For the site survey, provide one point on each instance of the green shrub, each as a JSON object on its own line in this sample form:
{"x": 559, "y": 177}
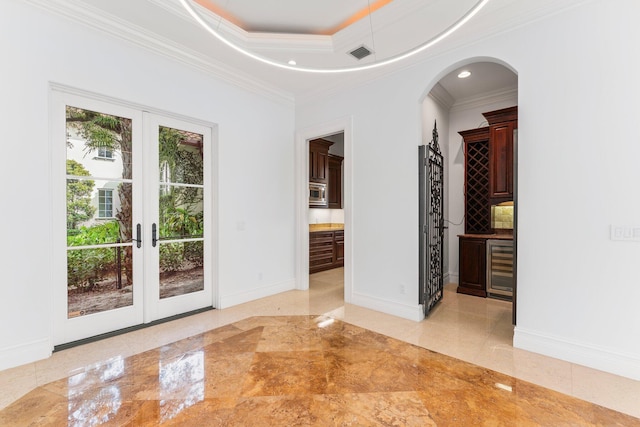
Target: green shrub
{"x": 86, "y": 267}
{"x": 194, "y": 253}
{"x": 171, "y": 256}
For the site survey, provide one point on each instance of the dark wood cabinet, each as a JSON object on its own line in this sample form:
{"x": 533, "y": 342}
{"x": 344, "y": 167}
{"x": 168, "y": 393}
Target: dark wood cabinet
{"x": 334, "y": 184}
{"x": 319, "y": 160}
{"x": 473, "y": 266}
{"x": 488, "y": 180}
{"x": 338, "y": 256}
{"x": 502, "y": 124}
{"x": 325, "y": 168}
{"x": 321, "y": 250}
{"x": 477, "y": 207}
{"x": 326, "y": 250}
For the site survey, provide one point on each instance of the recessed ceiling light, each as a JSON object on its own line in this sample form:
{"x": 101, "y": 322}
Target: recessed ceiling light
{"x": 464, "y": 74}
{"x": 292, "y": 62}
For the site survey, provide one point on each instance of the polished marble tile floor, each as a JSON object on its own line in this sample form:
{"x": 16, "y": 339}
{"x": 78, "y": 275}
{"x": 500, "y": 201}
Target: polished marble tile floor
{"x": 297, "y": 371}
{"x": 234, "y": 368}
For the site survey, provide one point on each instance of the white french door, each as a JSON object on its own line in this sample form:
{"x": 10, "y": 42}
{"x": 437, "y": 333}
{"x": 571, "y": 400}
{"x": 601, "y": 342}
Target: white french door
{"x": 134, "y": 190}
{"x": 178, "y": 207}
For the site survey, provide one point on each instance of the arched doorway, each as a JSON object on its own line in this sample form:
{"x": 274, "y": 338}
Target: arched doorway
{"x": 457, "y": 102}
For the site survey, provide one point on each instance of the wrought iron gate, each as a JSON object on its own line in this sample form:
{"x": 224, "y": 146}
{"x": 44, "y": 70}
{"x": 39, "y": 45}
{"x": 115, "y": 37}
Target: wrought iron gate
{"x": 431, "y": 174}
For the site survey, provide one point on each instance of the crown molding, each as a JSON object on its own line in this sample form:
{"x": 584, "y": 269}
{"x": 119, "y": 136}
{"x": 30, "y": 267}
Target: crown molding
{"x": 440, "y": 95}
{"x": 252, "y": 40}
{"x": 485, "y": 98}
{"x": 94, "y": 18}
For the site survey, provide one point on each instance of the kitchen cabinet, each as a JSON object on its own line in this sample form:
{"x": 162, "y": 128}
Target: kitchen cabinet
{"x": 477, "y": 206}
{"x": 488, "y": 180}
{"x": 334, "y": 182}
{"x": 488, "y": 168}
{"x": 338, "y": 245}
{"x": 319, "y": 160}
{"x": 326, "y": 250}
{"x": 473, "y": 266}
{"x": 326, "y": 169}
{"x": 502, "y": 124}
{"x": 321, "y": 251}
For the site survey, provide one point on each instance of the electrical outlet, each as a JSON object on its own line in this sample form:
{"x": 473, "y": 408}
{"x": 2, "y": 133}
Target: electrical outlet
{"x": 402, "y": 289}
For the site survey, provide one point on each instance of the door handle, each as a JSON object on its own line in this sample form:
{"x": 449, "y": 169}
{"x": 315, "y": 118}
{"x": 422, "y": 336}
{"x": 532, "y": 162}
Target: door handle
{"x": 154, "y": 231}
{"x": 138, "y": 240}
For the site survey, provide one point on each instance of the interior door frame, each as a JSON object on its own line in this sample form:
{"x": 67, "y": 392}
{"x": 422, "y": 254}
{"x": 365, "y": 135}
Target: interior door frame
{"x": 59, "y": 93}
{"x": 301, "y": 151}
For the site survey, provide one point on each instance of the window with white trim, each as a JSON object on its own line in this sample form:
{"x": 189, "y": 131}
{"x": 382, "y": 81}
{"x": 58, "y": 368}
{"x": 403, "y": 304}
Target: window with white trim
{"x": 105, "y": 203}
{"x": 105, "y": 153}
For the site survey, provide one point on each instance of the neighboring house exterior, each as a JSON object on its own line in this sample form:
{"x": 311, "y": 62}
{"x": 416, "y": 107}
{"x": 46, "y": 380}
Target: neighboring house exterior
{"x": 101, "y": 163}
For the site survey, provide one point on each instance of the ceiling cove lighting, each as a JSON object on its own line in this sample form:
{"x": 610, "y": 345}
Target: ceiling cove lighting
{"x": 187, "y": 4}
{"x": 464, "y": 74}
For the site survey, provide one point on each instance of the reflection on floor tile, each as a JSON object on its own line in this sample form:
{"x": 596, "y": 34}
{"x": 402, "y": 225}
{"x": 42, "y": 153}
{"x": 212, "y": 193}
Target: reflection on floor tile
{"x": 257, "y": 352}
{"x": 333, "y": 373}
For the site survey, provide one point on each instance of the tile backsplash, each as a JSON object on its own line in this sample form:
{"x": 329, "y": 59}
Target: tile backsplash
{"x": 322, "y": 216}
{"x": 502, "y": 217}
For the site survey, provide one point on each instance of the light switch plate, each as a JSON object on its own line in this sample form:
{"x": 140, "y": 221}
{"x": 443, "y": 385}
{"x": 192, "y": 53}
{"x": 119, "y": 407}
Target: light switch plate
{"x": 625, "y": 232}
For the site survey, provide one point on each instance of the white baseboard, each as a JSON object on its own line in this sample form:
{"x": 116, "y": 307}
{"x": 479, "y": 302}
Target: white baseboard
{"x": 451, "y": 278}
{"x": 625, "y": 365}
{"x": 10, "y": 357}
{"x": 227, "y": 301}
{"x": 411, "y": 312}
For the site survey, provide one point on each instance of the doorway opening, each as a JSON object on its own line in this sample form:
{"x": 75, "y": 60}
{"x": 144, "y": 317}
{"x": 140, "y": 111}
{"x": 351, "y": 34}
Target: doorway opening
{"x": 459, "y": 103}
{"x": 326, "y": 223}
{"x": 339, "y": 134}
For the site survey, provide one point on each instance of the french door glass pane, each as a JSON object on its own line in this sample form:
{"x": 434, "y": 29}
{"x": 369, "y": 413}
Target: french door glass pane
{"x": 181, "y": 212}
{"x": 181, "y": 268}
{"x": 180, "y": 154}
{"x": 99, "y": 212}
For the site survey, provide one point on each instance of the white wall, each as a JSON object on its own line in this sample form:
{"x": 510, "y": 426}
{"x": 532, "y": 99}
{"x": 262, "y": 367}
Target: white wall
{"x": 255, "y": 177}
{"x": 578, "y": 292}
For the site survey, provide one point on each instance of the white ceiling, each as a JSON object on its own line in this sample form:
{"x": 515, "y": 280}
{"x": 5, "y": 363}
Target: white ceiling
{"x": 487, "y": 78}
{"x": 165, "y": 27}
{"x": 291, "y": 16}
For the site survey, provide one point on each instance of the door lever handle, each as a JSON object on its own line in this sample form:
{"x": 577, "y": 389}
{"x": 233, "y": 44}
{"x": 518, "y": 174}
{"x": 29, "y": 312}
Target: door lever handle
{"x": 138, "y": 240}
{"x": 154, "y": 232}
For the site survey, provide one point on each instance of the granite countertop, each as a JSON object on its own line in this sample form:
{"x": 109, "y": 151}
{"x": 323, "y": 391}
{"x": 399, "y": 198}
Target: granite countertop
{"x": 500, "y": 236}
{"x": 325, "y": 227}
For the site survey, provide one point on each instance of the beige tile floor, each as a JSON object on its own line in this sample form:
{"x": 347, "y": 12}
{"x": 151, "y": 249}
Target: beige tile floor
{"x": 476, "y": 330}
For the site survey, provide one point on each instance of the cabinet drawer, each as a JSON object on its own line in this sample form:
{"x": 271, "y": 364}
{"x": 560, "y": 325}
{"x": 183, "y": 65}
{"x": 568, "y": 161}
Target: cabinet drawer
{"x": 320, "y": 236}
{"x": 326, "y": 250}
{"x": 320, "y": 262}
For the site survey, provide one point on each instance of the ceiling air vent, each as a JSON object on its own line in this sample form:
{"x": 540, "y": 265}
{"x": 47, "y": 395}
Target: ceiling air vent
{"x": 360, "y": 52}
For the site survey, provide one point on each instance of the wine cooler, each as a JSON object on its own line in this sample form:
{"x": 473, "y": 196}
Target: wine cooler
{"x": 500, "y": 268}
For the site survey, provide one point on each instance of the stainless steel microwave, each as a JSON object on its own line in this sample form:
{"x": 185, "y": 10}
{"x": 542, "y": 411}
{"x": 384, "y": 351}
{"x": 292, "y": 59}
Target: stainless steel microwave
{"x": 318, "y": 195}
